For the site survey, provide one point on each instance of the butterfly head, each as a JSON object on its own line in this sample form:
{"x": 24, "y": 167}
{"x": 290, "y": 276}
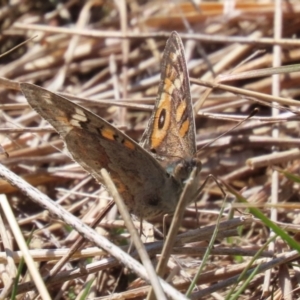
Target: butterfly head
{"x": 182, "y": 169}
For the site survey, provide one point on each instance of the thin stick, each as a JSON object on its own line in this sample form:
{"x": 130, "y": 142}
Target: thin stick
{"x": 134, "y": 235}
{"x": 189, "y": 36}
{"x": 176, "y": 223}
{"x": 35, "y": 274}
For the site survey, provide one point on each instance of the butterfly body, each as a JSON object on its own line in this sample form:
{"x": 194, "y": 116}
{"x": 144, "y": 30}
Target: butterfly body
{"x": 150, "y": 176}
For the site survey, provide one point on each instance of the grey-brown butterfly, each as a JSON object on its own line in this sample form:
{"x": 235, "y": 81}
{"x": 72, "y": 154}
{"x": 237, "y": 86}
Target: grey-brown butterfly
{"x": 149, "y": 176}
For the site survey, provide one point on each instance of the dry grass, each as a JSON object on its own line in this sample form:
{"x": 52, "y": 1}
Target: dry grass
{"x": 105, "y": 55}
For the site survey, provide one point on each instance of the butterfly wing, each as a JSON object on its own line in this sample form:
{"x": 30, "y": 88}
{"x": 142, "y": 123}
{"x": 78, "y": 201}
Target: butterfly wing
{"x": 94, "y": 143}
{"x": 171, "y": 131}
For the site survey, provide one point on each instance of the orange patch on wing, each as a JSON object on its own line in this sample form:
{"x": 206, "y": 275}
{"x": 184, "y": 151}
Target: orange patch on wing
{"x": 129, "y": 144}
{"x": 121, "y": 187}
{"x": 168, "y": 84}
{"x": 170, "y": 74}
{"x": 108, "y": 133}
{"x": 63, "y": 119}
{"x": 158, "y": 134}
{"x": 180, "y": 110}
{"x": 184, "y": 128}
{"x": 164, "y": 103}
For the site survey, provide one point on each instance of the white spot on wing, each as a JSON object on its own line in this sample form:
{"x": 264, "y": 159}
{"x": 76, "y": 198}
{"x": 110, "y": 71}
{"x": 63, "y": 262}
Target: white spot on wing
{"x": 177, "y": 83}
{"x": 75, "y": 122}
{"x": 176, "y": 55}
{"x": 181, "y": 77}
{"x": 47, "y": 99}
{"x": 79, "y": 111}
{"x": 79, "y": 115}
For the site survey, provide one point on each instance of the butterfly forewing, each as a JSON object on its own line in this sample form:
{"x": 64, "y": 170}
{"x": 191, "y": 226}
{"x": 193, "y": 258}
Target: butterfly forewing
{"x": 146, "y": 187}
{"x": 171, "y": 131}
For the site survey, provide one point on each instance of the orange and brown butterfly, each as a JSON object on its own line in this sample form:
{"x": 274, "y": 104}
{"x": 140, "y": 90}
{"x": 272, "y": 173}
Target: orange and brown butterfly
{"x": 149, "y": 176}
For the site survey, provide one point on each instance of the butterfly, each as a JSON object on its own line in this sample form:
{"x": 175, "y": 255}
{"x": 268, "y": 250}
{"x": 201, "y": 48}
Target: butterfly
{"x": 150, "y": 176}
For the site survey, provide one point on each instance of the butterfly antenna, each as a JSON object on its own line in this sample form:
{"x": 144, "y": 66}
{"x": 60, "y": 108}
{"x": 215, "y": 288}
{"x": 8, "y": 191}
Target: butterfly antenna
{"x": 254, "y": 112}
